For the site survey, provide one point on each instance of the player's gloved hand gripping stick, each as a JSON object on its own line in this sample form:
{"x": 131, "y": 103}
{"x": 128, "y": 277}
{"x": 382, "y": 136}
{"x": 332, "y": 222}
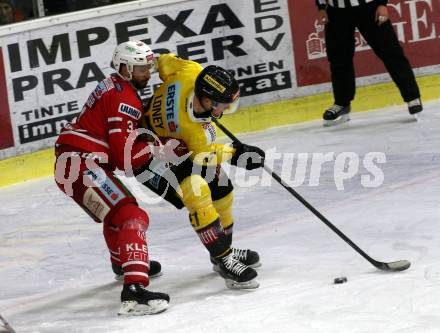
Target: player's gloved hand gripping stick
{"x": 394, "y": 266}
{"x": 248, "y": 157}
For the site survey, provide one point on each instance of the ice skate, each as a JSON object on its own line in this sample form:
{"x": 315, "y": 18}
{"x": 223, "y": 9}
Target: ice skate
{"x": 415, "y": 107}
{"x": 336, "y": 114}
{"x": 138, "y": 301}
{"x": 236, "y": 274}
{"x": 247, "y": 257}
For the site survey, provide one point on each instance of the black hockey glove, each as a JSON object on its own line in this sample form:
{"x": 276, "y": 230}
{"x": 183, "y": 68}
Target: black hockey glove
{"x": 248, "y": 157}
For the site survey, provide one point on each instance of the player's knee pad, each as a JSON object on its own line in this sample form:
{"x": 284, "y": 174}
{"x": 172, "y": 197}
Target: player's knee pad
{"x": 223, "y": 207}
{"x": 196, "y": 196}
{"x": 131, "y": 217}
{"x": 195, "y": 192}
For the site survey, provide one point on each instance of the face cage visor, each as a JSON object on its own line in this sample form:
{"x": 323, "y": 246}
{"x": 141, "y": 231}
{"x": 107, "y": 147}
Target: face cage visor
{"x": 227, "y": 108}
{"x": 150, "y": 66}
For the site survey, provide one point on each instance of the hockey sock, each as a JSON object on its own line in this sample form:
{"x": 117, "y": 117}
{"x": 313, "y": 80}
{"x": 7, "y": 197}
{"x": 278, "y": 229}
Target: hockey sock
{"x": 228, "y": 235}
{"x": 111, "y": 234}
{"x": 214, "y": 239}
{"x": 133, "y": 224}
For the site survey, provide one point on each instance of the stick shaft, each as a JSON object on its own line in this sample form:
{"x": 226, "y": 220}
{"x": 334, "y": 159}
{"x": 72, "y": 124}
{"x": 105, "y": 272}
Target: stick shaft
{"x": 306, "y": 203}
{"x": 6, "y": 325}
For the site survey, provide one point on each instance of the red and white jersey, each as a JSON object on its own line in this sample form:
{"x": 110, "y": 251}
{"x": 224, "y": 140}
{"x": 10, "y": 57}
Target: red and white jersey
{"x": 109, "y": 115}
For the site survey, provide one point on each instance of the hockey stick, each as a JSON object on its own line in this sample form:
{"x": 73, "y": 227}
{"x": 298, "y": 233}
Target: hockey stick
{"x": 6, "y": 325}
{"x": 394, "y": 266}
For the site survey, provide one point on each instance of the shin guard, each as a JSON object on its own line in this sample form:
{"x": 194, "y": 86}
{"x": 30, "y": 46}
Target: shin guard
{"x": 224, "y": 208}
{"x": 133, "y": 223}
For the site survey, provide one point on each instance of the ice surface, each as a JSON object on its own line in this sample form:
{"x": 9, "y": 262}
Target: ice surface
{"x": 55, "y": 273}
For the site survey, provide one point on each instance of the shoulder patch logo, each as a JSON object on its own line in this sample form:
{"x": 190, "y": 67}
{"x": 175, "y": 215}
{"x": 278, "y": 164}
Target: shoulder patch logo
{"x": 210, "y": 132}
{"x": 109, "y": 83}
{"x": 118, "y": 86}
{"x": 129, "y": 111}
{"x": 100, "y": 90}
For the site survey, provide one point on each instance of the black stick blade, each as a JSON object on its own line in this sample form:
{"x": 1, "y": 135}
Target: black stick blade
{"x": 395, "y": 266}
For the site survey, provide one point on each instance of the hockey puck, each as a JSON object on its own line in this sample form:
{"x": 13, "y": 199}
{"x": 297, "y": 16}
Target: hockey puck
{"x": 340, "y": 280}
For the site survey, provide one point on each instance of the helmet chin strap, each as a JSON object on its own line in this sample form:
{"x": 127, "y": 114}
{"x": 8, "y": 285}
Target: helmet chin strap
{"x": 207, "y": 113}
{"x": 130, "y": 73}
{"x": 212, "y": 116}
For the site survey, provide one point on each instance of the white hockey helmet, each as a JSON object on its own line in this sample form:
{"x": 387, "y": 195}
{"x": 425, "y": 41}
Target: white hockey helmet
{"x": 132, "y": 53}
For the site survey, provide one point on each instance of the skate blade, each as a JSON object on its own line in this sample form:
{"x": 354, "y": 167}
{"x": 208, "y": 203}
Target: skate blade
{"x": 156, "y": 275}
{"x": 216, "y": 268}
{"x": 416, "y": 116}
{"x": 133, "y": 308}
{"x": 342, "y": 119}
{"x": 252, "y": 284}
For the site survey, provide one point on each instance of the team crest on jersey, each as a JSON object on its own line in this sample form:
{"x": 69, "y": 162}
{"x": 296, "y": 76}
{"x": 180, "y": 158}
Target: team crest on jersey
{"x": 129, "y": 111}
{"x": 172, "y": 107}
{"x": 210, "y": 132}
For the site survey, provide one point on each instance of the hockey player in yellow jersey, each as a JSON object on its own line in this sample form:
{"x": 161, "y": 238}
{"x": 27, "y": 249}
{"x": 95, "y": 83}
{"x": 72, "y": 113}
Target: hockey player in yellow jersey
{"x": 181, "y": 108}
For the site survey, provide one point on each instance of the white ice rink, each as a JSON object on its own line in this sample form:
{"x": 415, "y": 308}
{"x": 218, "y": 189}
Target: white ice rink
{"x": 56, "y": 277}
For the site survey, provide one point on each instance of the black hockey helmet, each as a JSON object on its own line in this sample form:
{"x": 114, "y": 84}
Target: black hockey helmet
{"x": 217, "y": 84}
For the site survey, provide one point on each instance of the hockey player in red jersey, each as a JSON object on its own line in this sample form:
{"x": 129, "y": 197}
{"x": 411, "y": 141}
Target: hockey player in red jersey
{"x": 89, "y": 150}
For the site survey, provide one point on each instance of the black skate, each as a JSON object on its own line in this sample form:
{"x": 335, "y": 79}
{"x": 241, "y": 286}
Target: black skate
{"x": 138, "y": 301}
{"x": 414, "y": 107}
{"x": 155, "y": 270}
{"x": 236, "y": 274}
{"x": 247, "y": 257}
{"x": 336, "y": 114}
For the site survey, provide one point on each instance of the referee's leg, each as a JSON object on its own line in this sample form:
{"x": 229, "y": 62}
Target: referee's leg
{"x": 340, "y": 44}
{"x": 384, "y": 42}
